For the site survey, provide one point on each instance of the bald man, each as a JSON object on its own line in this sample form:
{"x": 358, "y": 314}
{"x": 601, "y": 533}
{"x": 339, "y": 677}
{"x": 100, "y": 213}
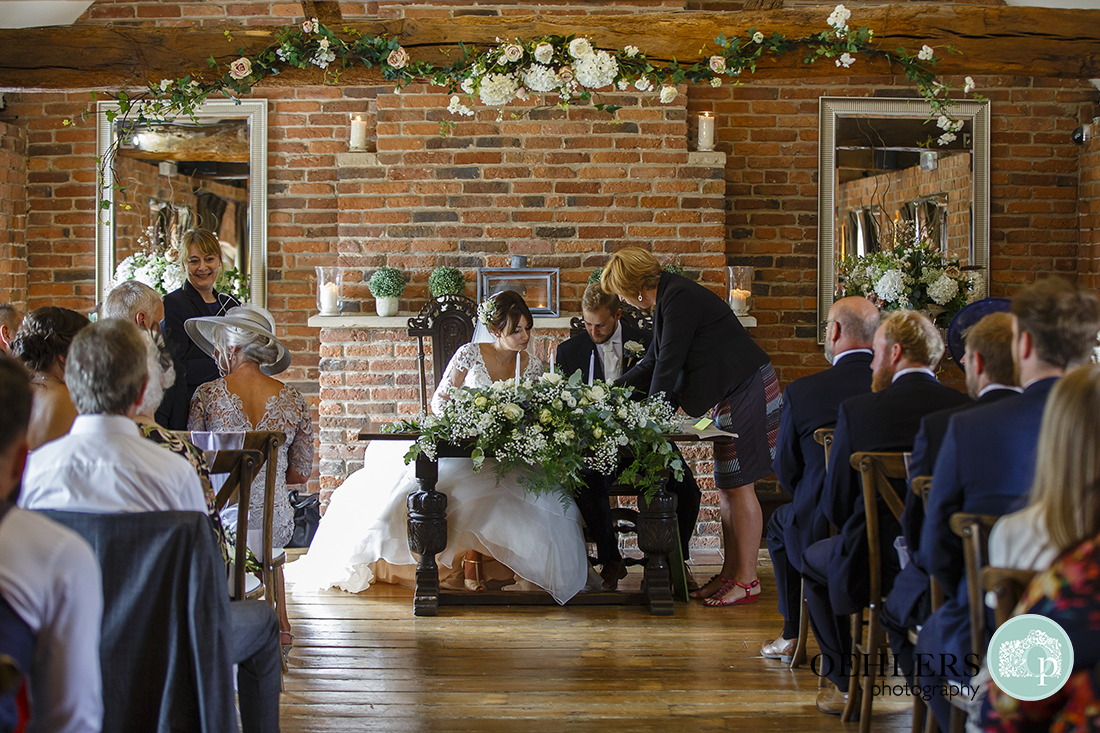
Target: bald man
{"x": 811, "y": 403}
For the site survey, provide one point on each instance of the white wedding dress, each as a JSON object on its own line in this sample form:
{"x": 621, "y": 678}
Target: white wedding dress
{"x": 363, "y": 536}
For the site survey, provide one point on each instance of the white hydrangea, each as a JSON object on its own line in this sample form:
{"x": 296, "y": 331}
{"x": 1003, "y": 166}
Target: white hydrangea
{"x": 596, "y": 70}
{"x": 539, "y": 78}
{"x": 148, "y": 274}
{"x": 498, "y": 89}
{"x": 579, "y": 48}
{"x": 943, "y": 290}
{"x": 172, "y": 279}
{"x": 890, "y": 286}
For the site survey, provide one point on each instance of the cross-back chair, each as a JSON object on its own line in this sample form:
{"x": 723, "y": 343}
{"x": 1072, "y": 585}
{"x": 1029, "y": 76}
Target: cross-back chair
{"x": 449, "y": 322}
{"x": 241, "y": 467}
{"x": 876, "y": 471}
{"x": 824, "y": 438}
{"x": 1007, "y": 586}
{"x": 922, "y": 721}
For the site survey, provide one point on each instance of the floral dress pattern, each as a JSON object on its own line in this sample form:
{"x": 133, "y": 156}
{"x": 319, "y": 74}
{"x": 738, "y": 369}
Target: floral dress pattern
{"x": 1068, "y": 593}
{"x": 215, "y": 409}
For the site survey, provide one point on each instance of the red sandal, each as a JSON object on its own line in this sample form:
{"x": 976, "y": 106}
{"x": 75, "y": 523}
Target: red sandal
{"x": 718, "y": 599}
{"x": 698, "y": 592}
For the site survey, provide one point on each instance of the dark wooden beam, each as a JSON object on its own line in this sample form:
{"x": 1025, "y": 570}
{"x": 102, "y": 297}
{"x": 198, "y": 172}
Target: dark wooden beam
{"x": 1021, "y": 41}
{"x": 326, "y": 11}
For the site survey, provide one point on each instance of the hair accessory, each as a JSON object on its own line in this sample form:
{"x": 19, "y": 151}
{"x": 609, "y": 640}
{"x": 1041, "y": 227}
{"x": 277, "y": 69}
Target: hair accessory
{"x": 487, "y": 310}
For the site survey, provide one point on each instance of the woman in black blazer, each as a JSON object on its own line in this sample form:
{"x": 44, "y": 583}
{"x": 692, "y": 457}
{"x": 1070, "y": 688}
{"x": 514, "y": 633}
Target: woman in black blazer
{"x": 201, "y": 258}
{"x": 703, "y": 361}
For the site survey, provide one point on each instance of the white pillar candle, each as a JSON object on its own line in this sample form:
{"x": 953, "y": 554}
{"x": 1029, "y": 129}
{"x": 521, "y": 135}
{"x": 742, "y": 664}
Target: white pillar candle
{"x": 552, "y": 356}
{"x": 330, "y": 298}
{"x": 739, "y": 300}
{"x": 706, "y": 131}
{"x": 591, "y": 368}
{"x": 358, "y": 133}
{"x": 517, "y": 372}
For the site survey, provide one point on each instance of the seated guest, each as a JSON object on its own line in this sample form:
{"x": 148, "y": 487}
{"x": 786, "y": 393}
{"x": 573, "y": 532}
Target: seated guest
{"x": 104, "y": 466}
{"x": 244, "y": 346}
{"x": 201, "y": 259}
{"x": 49, "y": 579}
{"x": 134, "y": 301}
{"x": 987, "y": 361}
{"x": 907, "y": 347}
{"x": 987, "y": 461}
{"x": 809, "y": 404}
{"x": 617, "y": 347}
{"x": 42, "y": 344}
{"x": 10, "y": 320}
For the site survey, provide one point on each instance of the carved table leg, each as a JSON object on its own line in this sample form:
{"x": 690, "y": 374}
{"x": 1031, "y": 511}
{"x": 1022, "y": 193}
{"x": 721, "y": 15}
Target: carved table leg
{"x": 427, "y": 535}
{"x": 656, "y": 538}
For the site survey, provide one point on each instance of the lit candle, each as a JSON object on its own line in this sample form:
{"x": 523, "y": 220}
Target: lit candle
{"x": 330, "y": 298}
{"x": 358, "y": 133}
{"x": 552, "y": 356}
{"x": 591, "y": 368}
{"x": 706, "y": 132}
{"x": 739, "y": 301}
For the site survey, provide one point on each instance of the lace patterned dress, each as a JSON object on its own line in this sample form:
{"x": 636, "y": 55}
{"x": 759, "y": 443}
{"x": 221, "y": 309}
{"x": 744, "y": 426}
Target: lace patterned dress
{"x": 215, "y": 409}
{"x": 363, "y": 536}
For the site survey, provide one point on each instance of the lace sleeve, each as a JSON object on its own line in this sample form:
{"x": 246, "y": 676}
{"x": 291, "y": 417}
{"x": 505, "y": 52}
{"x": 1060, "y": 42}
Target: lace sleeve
{"x": 196, "y": 419}
{"x": 300, "y": 454}
{"x": 454, "y": 375}
{"x": 535, "y": 368}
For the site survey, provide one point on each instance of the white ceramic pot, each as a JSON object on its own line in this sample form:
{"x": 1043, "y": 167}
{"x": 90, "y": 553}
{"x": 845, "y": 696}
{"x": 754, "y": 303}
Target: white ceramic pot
{"x": 386, "y": 306}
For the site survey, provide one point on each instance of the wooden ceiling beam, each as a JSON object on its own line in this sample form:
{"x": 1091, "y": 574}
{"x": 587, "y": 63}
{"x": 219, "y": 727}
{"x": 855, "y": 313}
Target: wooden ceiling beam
{"x": 325, "y": 11}
{"x": 1023, "y": 41}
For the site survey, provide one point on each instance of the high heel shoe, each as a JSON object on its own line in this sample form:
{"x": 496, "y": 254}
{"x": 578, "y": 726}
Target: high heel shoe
{"x": 474, "y": 583}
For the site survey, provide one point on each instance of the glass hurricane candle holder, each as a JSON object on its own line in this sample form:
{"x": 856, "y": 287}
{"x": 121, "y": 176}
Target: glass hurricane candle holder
{"x": 330, "y": 282}
{"x": 739, "y": 288}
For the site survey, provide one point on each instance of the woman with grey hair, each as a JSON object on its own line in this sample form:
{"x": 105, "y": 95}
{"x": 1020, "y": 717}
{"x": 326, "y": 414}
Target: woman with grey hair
{"x": 246, "y": 397}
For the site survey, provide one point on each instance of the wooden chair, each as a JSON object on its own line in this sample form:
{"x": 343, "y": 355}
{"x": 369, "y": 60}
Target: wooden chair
{"x": 922, "y": 721}
{"x": 876, "y": 470}
{"x": 449, "y": 322}
{"x": 11, "y": 675}
{"x": 241, "y": 467}
{"x": 1007, "y": 586}
{"x": 824, "y": 437}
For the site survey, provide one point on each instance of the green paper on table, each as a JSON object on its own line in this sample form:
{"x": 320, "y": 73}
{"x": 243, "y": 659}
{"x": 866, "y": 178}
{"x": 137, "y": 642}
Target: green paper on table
{"x": 703, "y": 424}
{"x": 706, "y": 429}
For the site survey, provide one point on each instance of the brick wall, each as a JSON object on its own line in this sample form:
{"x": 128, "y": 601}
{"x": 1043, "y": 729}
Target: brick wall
{"x": 13, "y": 215}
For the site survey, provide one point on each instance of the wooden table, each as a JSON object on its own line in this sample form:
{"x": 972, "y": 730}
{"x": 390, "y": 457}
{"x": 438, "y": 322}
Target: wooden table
{"x": 427, "y": 526}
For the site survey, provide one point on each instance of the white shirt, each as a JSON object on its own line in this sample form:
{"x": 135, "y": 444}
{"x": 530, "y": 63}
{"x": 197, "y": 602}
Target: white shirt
{"x": 849, "y": 352}
{"x": 611, "y": 354}
{"x": 50, "y": 577}
{"x": 104, "y": 466}
{"x": 991, "y": 387}
{"x": 902, "y": 372}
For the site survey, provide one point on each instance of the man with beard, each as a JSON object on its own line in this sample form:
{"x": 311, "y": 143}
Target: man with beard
{"x": 987, "y": 461}
{"x": 907, "y": 347}
{"x": 809, "y": 404}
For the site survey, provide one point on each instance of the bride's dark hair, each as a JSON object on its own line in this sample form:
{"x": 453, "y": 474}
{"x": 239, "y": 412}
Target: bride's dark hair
{"x": 510, "y": 308}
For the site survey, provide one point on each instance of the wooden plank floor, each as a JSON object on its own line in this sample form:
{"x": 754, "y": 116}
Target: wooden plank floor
{"x": 365, "y": 663}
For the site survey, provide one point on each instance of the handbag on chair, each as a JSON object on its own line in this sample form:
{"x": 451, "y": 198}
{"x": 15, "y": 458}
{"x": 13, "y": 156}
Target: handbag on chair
{"x": 307, "y": 515}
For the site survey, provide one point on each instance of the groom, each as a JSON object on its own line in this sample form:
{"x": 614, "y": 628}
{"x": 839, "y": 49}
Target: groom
{"x": 608, "y": 347}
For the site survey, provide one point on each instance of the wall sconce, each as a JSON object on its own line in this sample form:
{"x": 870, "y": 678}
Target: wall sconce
{"x": 358, "y": 133}
{"x": 705, "y": 141}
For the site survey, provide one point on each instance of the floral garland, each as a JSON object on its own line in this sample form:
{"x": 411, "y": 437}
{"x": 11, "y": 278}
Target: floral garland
{"x": 568, "y": 66}
{"x": 559, "y": 426}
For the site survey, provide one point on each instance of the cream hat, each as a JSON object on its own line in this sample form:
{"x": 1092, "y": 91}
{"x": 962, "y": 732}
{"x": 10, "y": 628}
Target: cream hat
{"x": 249, "y": 318}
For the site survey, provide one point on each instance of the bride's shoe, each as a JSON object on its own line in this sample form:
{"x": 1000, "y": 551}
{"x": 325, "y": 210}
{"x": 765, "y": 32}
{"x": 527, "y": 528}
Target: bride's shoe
{"x": 474, "y": 583}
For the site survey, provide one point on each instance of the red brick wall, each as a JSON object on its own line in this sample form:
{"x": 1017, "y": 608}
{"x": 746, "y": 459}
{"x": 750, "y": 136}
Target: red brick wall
{"x": 13, "y": 215}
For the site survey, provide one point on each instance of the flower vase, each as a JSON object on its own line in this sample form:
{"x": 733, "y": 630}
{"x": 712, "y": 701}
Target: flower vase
{"x": 386, "y": 306}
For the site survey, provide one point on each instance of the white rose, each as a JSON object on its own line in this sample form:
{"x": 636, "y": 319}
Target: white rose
{"x": 552, "y": 378}
{"x": 631, "y": 51}
{"x": 543, "y": 53}
{"x": 309, "y": 26}
{"x": 845, "y": 60}
{"x": 717, "y": 64}
{"x": 579, "y": 47}
{"x": 669, "y": 93}
{"x": 513, "y": 52}
{"x": 597, "y": 393}
{"x": 481, "y": 401}
{"x": 926, "y": 52}
{"x": 398, "y": 58}
{"x": 969, "y": 85}
{"x": 622, "y": 413}
{"x": 164, "y": 84}
{"x": 512, "y": 411}
{"x": 240, "y": 68}
{"x": 545, "y": 416}
{"x": 643, "y": 84}
{"x": 758, "y": 37}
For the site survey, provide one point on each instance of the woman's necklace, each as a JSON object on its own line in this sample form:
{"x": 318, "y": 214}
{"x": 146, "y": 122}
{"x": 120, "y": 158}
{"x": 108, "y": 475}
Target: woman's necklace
{"x": 41, "y": 376}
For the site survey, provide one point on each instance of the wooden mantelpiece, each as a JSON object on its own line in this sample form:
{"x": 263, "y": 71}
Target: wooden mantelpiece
{"x": 1026, "y": 41}
{"x": 400, "y": 323}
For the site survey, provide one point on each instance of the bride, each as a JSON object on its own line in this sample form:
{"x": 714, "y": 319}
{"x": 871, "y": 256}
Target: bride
{"x": 363, "y": 537}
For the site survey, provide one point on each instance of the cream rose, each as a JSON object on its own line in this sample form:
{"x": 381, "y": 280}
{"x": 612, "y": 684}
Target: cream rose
{"x": 543, "y": 53}
{"x": 398, "y": 58}
{"x": 240, "y": 68}
{"x": 669, "y": 93}
{"x": 717, "y": 64}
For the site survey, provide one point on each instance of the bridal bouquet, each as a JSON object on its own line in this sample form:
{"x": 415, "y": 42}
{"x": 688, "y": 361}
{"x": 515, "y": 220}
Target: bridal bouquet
{"x": 914, "y": 275}
{"x": 556, "y": 426}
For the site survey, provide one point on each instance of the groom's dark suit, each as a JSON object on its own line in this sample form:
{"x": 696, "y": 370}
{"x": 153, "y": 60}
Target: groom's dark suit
{"x": 574, "y": 354}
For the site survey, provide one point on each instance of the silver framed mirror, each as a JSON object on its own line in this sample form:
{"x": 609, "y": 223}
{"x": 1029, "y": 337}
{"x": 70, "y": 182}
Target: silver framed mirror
{"x": 217, "y": 166}
{"x": 873, "y": 142}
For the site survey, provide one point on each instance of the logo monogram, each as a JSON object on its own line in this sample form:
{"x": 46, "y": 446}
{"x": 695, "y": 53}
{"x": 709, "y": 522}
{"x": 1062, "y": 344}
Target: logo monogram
{"x": 1030, "y": 657}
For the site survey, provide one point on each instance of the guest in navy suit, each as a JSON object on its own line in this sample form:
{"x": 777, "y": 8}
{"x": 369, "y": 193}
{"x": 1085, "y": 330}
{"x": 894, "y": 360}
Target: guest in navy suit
{"x": 201, "y": 257}
{"x": 907, "y": 347}
{"x": 809, "y": 404}
{"x": 703, "y": 360}
{"x": 990, "y": 376}
{"x": 611, "y": 347}
{"x": 987, "y": 461}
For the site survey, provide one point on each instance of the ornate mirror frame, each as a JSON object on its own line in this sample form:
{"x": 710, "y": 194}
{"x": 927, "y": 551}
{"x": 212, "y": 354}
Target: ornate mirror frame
{"x": 830, "y": 111}
{"x": 255, "y": 113}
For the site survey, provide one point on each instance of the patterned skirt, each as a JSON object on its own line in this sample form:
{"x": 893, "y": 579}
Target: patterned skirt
{"x": 752, "y": 411}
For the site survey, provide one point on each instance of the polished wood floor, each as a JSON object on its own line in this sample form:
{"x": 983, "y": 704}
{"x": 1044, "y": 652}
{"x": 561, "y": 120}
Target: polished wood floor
{"x": 365, "y": 663}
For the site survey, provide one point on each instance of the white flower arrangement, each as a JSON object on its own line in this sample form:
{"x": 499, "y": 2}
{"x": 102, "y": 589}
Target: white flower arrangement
{"x": 559, "y": 427}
